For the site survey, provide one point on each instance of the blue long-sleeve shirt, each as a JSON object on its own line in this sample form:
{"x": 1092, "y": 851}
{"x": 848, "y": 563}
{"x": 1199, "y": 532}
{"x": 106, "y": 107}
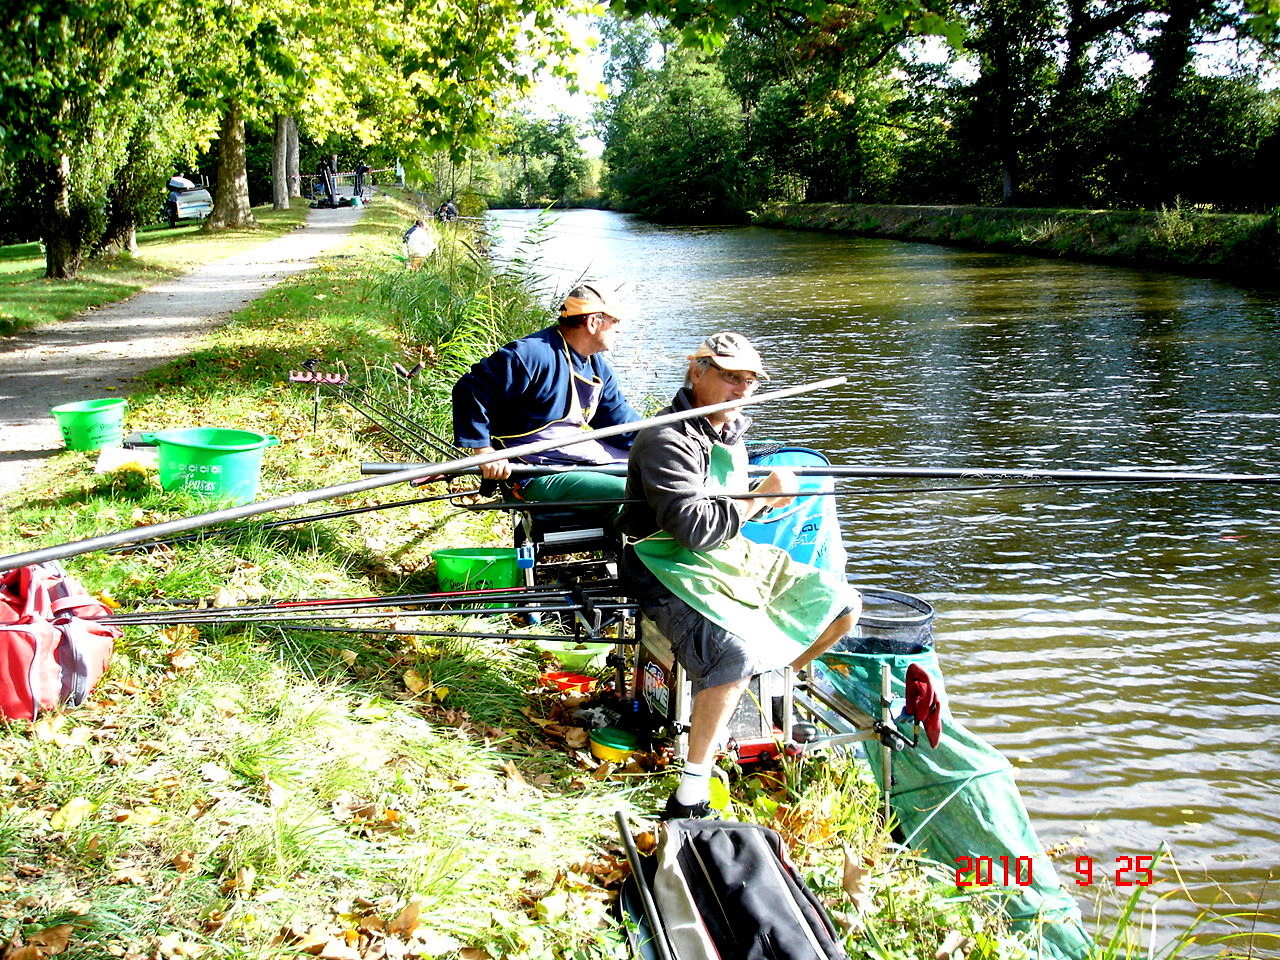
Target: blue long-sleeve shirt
{"x": 525, "y": 385}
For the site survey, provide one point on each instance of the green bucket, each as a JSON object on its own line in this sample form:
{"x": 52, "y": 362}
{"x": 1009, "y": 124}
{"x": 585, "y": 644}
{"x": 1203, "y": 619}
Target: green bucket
{"x": 91, "y": 424}
{"x": 477, "y": 568}
{"x": 211, "y": 462}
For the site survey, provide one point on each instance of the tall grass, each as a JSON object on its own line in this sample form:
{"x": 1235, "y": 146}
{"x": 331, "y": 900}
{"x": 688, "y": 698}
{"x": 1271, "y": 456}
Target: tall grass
{"x": 460, "y": 308}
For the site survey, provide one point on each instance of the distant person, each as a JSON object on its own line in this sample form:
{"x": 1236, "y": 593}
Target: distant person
{"x": 419, "y": 243}
{"x": 448, "y": 211}
{"x": 551, "y": 384}
{"x": 358, "y": 187}
{"x": 324, "y": 175}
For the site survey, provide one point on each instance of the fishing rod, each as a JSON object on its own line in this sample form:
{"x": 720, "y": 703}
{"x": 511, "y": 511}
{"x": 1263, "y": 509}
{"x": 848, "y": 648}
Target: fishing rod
{"x": 401, "y": 428}
{"x": 183, "y": 610}
{"x": 184, "y": 524}
{"x": 841, "y": 472}
{"x": 293, "y": 521}
{"x": 522, "y": 505}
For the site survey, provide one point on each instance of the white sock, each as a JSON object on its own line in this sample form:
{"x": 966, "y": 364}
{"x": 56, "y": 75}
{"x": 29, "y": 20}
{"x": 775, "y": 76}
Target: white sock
{"x": 695, "y": 784}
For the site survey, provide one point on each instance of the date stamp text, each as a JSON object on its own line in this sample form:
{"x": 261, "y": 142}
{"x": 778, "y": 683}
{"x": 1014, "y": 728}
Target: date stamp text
{"x": 1019, "y": 871}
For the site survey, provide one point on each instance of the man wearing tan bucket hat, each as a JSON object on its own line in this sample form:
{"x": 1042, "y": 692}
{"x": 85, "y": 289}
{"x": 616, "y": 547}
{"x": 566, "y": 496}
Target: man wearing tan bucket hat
{"x": 731, "y": 608}
{"x": 553, "y": 383}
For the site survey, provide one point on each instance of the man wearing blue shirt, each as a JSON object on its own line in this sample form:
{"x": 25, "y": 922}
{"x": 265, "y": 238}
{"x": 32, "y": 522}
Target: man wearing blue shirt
{"x": 551, "y": 384}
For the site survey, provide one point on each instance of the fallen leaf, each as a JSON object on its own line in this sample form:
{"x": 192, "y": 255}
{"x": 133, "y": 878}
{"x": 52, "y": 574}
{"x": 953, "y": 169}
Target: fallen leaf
{"x": 173, "y": 945}
{"x": 72, "y": 813}
{"x": 414, "y": 682}
{"x": 214, "y": 773}
{"x": 52, "y": 940}
{"x": 856, "y": 882}
{"x": 407, "y": 920}
{"x": 512, "y": 772}
{"x": 335, "y": 949}
{"x": 954, "y": 947}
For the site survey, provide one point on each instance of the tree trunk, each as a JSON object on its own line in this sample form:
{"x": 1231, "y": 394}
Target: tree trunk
{"x": 63, "y": 250}
{"x": 1159, "y": 118}
{"x": 121, "y": 240}
{"x": 231, "y": 208}
{"x": 280, "y": 164}
{"x": 293, "y": 167}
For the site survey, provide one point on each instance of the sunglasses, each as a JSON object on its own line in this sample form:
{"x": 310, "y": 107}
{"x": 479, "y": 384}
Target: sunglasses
{"x": 736, "y": 379}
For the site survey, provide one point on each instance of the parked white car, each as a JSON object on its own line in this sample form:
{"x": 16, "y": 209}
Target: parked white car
{"x": 186, "y": 201}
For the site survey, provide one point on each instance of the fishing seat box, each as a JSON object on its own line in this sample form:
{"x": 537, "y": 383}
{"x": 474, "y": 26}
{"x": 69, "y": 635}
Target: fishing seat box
{"x": 557, "y": 533}
{"x": 663, "y": 690}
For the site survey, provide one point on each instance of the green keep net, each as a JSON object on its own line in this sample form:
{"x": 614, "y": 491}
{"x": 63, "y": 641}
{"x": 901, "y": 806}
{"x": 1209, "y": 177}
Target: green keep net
{"x": 957, "y": 803}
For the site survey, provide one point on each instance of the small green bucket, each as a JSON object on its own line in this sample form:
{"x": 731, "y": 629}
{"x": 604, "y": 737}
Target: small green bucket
{"x": 91, "y": 424}
{"x": 477, "y": 568}
{"x": 211, "y": 462}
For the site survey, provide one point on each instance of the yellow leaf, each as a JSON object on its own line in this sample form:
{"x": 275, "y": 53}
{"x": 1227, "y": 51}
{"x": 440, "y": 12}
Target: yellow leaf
{"x": 72, "y": 813}
{"x": 441, "y": 692}
{"x": 553, "y": 906}
{"x": 48, "y": 727}
{"x": 414, "y": 682}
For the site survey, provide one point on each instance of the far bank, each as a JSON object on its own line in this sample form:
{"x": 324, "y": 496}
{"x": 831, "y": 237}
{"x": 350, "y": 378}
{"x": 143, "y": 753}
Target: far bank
{"x": 1243, "y": 248}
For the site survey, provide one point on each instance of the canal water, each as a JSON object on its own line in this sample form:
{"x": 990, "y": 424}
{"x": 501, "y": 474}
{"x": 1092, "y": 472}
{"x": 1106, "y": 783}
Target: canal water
{"x": 1121, "y": 645}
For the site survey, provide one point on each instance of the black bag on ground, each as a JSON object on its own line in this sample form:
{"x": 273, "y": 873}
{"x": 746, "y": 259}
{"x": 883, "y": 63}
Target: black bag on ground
{"x": 729, "y": 891}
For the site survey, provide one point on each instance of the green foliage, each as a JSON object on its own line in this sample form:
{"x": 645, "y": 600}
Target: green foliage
{"x": 674, "y": 144}
{"x": 70, "y": 73}
{"x": 545, "y": 162}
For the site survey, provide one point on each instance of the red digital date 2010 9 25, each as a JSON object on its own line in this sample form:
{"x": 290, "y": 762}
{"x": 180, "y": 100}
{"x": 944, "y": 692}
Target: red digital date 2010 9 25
{"x": 1018, "y": 871}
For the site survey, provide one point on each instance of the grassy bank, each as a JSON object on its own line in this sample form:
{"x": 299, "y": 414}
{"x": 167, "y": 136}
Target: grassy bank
{"x": 264, "y": 792}
{"x": 28, "y": 299}
{"x": 1244, "y": 248}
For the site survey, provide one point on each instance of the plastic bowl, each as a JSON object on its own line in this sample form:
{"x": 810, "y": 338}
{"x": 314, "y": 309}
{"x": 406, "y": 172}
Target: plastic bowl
{"x": 575, "y": 656}
{"x": 569, "y": 682}
{"x": 610, "y": 743}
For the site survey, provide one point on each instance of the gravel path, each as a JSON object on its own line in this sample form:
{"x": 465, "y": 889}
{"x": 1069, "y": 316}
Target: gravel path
{"x": 84, "y": 357}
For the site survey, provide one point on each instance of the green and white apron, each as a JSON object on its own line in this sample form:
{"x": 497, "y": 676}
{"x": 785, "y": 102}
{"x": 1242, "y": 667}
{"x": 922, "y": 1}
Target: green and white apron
{"x": 754, "y": 590}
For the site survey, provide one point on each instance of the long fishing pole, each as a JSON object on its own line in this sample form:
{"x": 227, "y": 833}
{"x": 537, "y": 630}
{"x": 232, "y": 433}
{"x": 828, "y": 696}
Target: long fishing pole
{"x": 523, "y": 505}
{"x": 291, "y": 521}
{"x": 917, "y": 473}
{"x": 182, "y": 611}
{"x": 182, "y": 525}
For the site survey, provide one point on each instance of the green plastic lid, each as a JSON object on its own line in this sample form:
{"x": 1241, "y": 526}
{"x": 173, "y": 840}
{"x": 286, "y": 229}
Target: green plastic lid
{"x": 614, "y": 737}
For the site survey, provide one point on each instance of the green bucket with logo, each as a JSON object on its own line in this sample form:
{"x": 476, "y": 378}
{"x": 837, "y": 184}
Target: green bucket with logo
{"x": 211, "y": 462}
{"x": 91, "y": 424}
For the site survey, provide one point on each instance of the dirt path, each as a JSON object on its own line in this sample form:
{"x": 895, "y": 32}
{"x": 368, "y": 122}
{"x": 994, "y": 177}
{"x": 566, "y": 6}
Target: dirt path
{"x": 100, "y": 353}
